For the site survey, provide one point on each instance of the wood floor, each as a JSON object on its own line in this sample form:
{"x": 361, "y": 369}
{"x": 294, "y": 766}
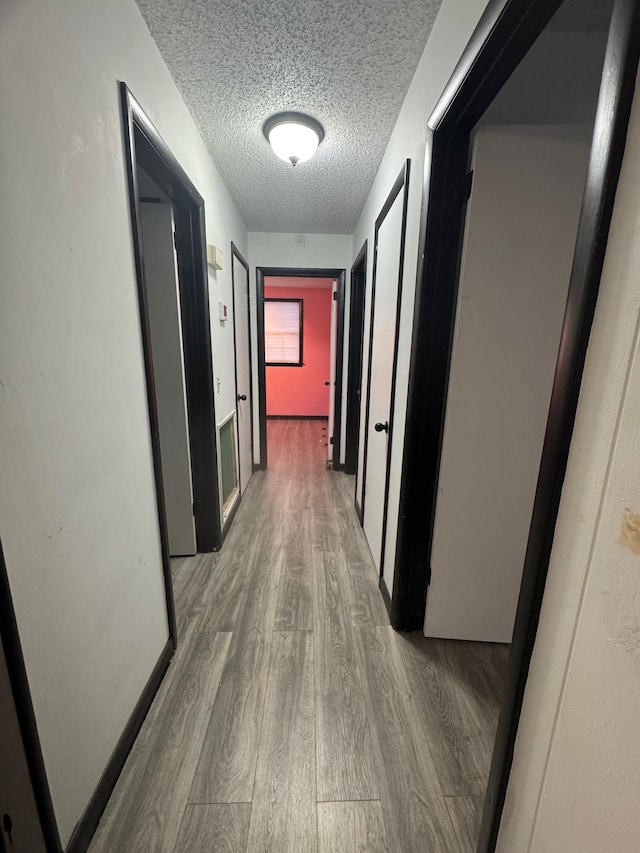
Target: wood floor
{"x": 293, "y": 718}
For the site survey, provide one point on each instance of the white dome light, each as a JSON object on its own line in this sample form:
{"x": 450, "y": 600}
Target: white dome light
{"x": 294, "y": 137}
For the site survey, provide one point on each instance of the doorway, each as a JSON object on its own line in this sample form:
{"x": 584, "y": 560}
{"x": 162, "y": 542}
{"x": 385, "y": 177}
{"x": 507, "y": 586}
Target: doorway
{"x": 189, "y": 398}
{"x": 372, "y": 484}
{"x": 157, "y": 221}
{"x": 354, "y": 360}
{"x": 243, "y": 361}
{"x": 498, "y": 50}
{"x": 300, "y": 351}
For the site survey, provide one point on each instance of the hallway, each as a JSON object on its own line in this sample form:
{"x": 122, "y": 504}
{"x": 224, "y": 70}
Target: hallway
{"x": 292, "y": 716}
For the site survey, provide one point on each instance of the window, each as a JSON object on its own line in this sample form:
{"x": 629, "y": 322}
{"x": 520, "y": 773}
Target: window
{"x": 283, "y": 332}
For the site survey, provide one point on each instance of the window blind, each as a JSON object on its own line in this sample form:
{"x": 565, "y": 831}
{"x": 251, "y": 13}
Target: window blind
{"x": 282, "y": 326}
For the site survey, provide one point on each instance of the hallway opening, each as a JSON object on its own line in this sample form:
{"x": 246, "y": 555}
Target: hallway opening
{"x": 300, "y": 335}
{"x": 300, "y": 351}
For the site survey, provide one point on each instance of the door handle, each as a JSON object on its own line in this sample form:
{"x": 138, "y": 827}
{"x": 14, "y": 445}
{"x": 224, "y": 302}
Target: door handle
{"x": 242, "y": 396}
{"x": 327, "y": 383}
{"x": 379, "y": 427}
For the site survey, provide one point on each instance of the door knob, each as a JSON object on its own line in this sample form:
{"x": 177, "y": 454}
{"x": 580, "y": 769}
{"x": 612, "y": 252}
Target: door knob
{"x": 242, "y": 396}
{"x": 382, "y": 427}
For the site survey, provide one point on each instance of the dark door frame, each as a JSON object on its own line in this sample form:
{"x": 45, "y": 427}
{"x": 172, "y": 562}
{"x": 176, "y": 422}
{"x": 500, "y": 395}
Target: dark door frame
{"x": 26, "y": 716}
{"x": 506, "y": 31}
{"x": 235, "y": 253}
{"x": 357, "y": 293}
{"x": 145, "y": 146}
{"x": 401, "y": 184}
{"x": 298, "y": 272}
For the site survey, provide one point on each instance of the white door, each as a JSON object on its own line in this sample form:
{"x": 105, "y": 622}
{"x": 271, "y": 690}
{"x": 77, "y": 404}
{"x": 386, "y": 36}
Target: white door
{"x": 381, "y": 378}
{"x": 161, "y": 273}
{"x": 332, "y": 369}
{"x": 243, "y": 369}
{"x": 522, "y": 221}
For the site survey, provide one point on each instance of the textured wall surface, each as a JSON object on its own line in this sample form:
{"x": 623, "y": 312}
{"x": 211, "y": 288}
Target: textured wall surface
{"x": 348, "y": 64}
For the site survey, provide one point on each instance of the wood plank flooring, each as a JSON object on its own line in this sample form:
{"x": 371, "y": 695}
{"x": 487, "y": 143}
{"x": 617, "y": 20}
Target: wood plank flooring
{"x": 292, "y": 717}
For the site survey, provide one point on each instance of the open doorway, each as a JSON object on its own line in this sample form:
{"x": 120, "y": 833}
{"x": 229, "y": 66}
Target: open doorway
{"x": 157, "y": 222}
{"x": 167, "y": 216}
{"x": 522, "y": 161}
{"x": 300, "y": 319}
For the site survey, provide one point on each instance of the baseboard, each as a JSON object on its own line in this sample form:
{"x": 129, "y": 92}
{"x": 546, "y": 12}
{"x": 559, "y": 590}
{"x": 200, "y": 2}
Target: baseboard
{"x": 386, "y": 597}
{"x": 88, "y": 823}
{"x": 297, "y": 418}
{"x": 358, "y": 509}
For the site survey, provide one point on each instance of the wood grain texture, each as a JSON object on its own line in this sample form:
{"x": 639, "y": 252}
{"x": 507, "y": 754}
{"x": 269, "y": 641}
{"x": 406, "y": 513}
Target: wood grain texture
{"x": 415, "y": 814}
{"x": 214, "y": 829}
{"x": 294, "y": 607}
{"x": 150, "y": 814}
{"x": 457, "y": 710}
{"x": 226, "y": 770}
{"x": 351, "y": 828}
{"x": 346, "y": 768}
{"x": 312, "y": 697}
{"x": 283, "y": 814}
{"x": 465, "y": 813}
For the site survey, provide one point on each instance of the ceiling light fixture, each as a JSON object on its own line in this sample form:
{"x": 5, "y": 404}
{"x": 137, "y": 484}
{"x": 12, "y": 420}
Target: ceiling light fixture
{"x": 294, "y": 137}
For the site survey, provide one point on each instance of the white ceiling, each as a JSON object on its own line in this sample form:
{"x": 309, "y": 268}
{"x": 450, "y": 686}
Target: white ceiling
{"x": 346, "y": 62}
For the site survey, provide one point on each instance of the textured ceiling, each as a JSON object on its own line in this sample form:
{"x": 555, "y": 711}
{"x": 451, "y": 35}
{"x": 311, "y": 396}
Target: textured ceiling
{"x": 346, "y": 62}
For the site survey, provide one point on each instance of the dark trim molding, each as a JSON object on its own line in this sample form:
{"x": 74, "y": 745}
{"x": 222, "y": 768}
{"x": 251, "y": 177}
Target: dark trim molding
{"x": 300, "y": 361}
{"x": 26, "y": 716}
{"x": 354, "y": 368}
{"x": 144, "y": 145}
{"x": 279, "y": 272}
{"x": 88, "y": 823}
{"x": 401, "y": 183}
{"x": 235, "y": 253}
{"x": 358, "y": 509}
{"x": 505, "y": 33}
{"x": 386, "y": 597}
{"x": 339, "y": 367}
{"x": 262, "y": 373}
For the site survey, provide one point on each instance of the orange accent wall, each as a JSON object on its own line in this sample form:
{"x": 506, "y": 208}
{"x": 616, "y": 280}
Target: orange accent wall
{"x": 301, "y": 390}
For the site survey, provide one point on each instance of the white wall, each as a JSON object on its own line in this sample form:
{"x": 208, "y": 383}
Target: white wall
{"x": 453, "y": 27}
{"x": 522, "y": 221}
{"x": 334, "y": 251}
{"x": 78, "y": 516}
{"x": 574, "y": 785}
